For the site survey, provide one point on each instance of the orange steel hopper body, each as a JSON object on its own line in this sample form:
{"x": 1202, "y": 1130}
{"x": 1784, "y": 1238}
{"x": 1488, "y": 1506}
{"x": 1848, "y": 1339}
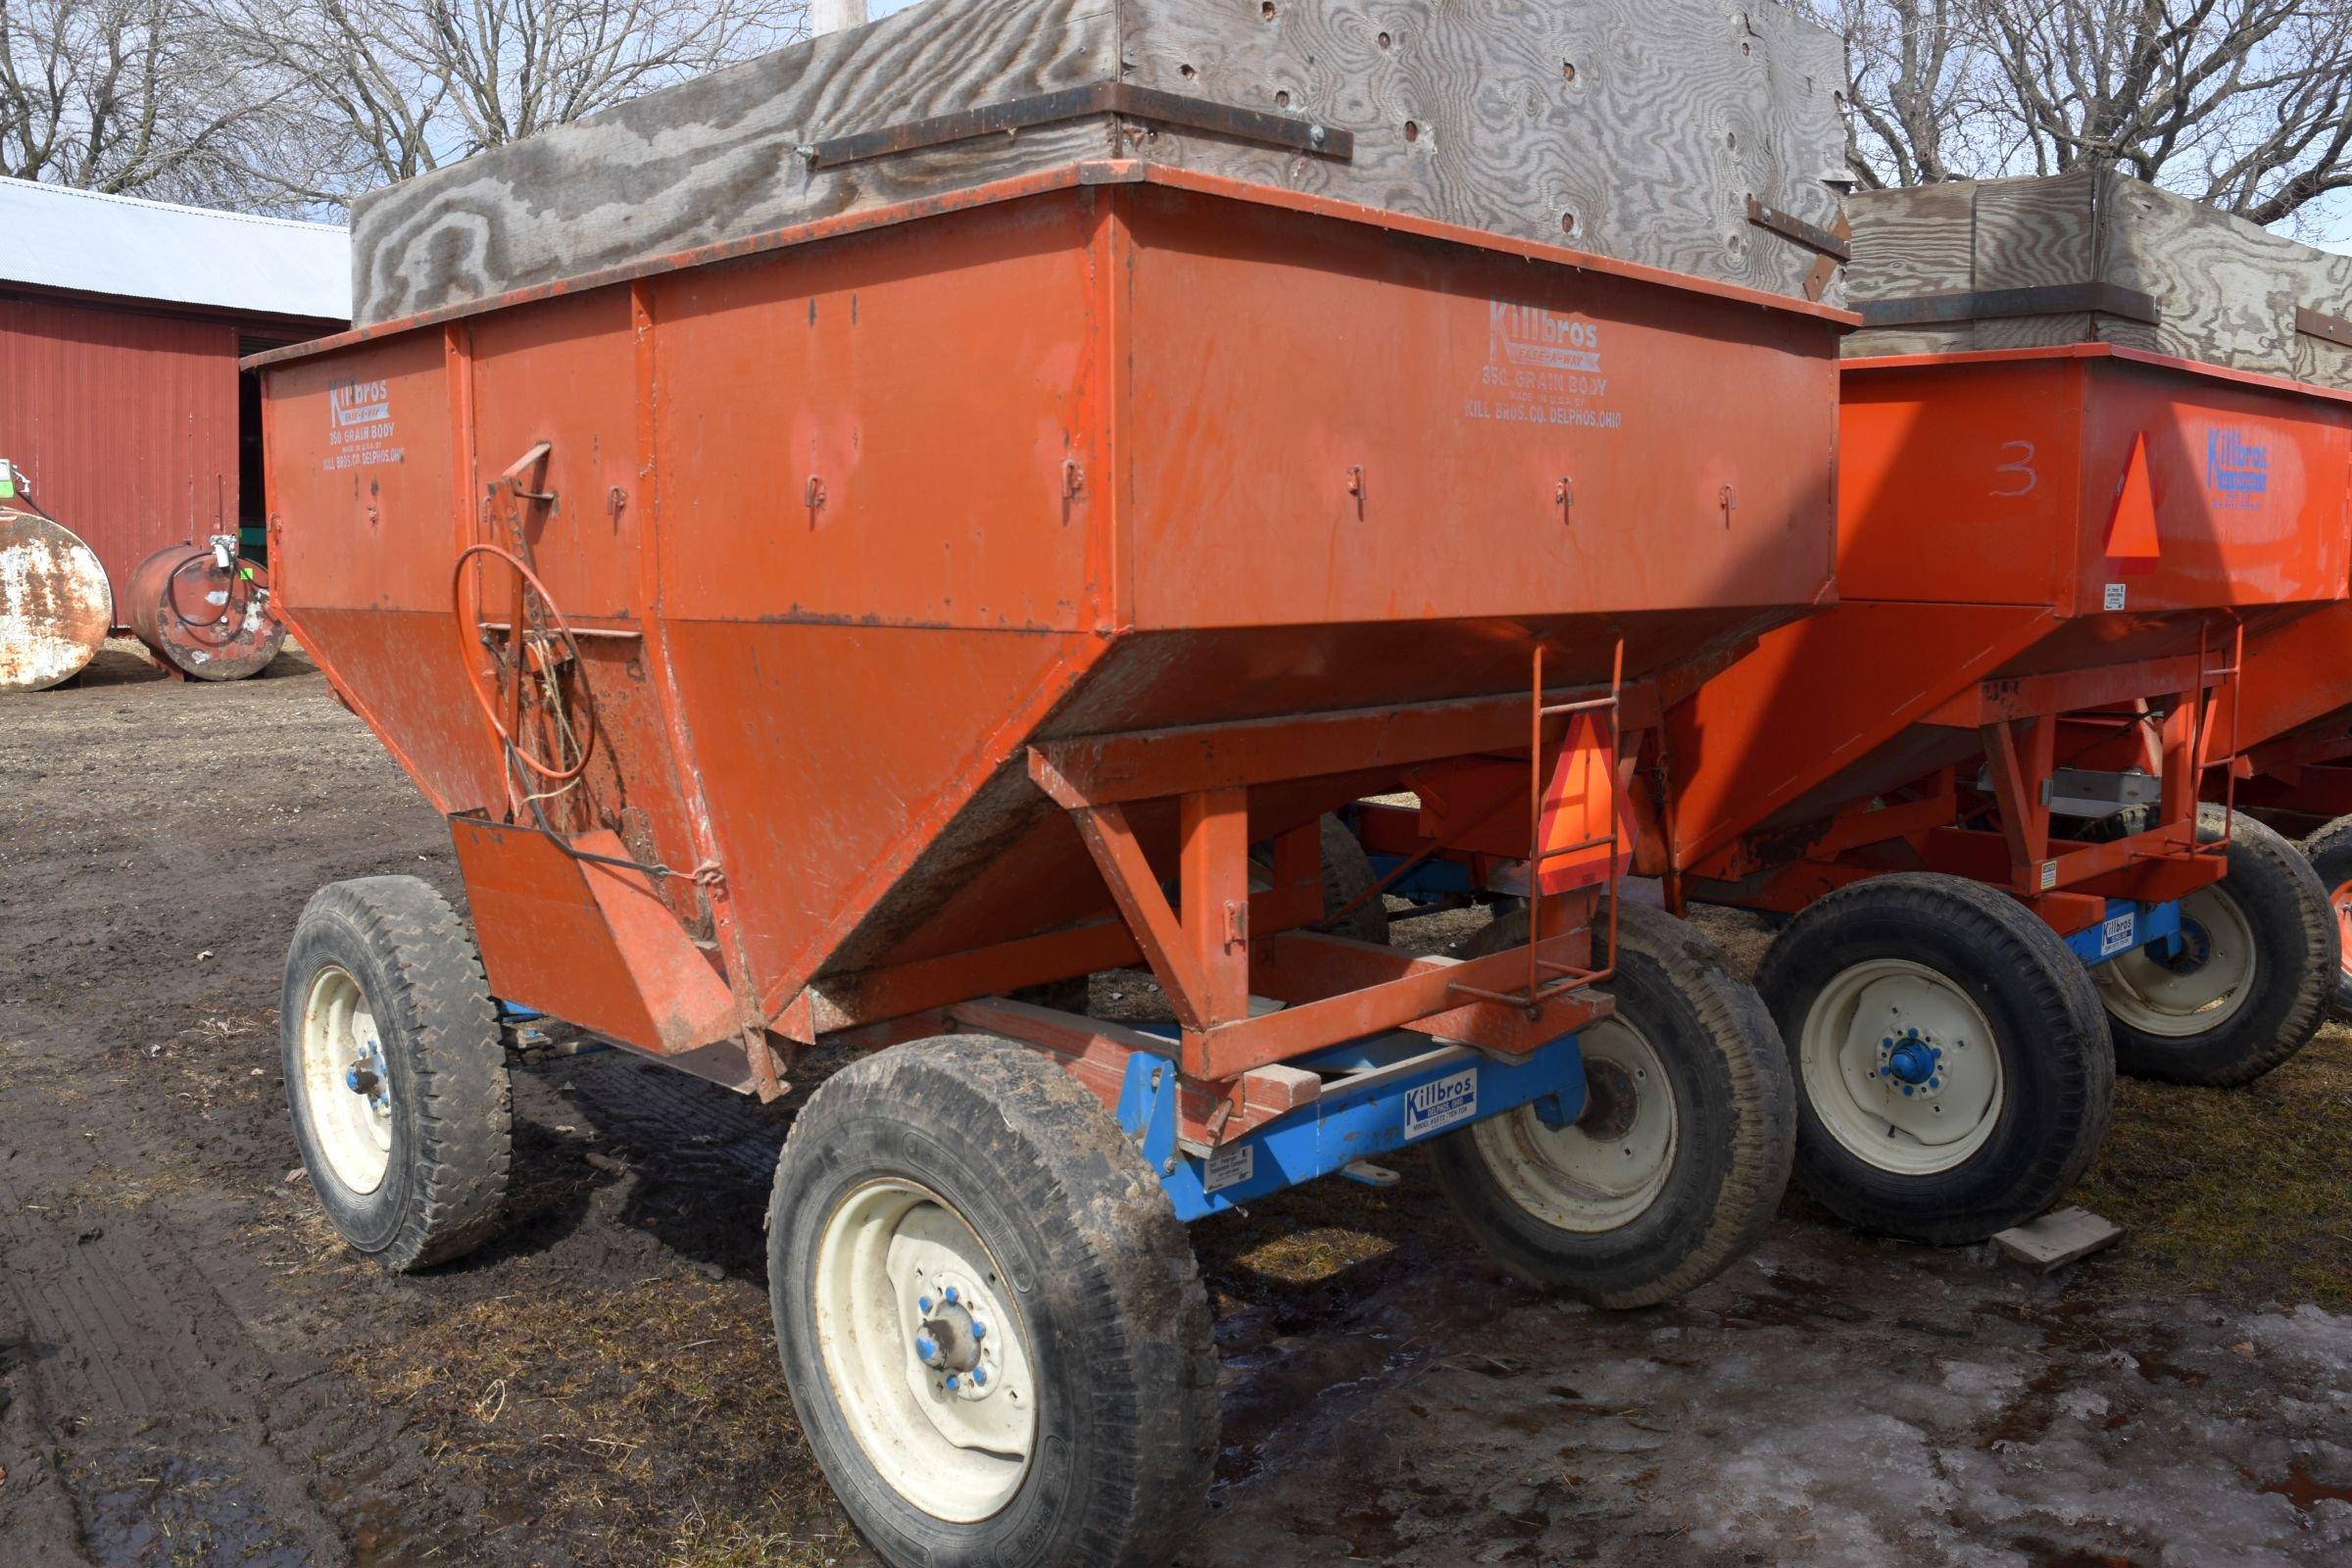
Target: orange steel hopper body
{"x": 2294, "y": 718}
{"x": 924, "y": 594}
{"x": 2046, "y": 560}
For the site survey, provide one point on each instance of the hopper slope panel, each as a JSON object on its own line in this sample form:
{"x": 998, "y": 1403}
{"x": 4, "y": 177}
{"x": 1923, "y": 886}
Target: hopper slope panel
{"x": 1997, "y": 481}
{"x": 400, "y": 668}
{"x": 877, "y": 429}
{"x": 1013, "y": 864}
{"x": 832, "y": 757}
{"x": 1331, "y": 424}
{"x": 2295, "y": 675}
{"x": 1813, "y": 713}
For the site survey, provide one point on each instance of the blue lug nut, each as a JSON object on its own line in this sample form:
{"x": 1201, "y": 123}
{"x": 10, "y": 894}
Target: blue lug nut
{"x": 979, "y": 1329}
{"x": 950, "y": 1382}
{"x": 922, "y": 1303}
{"x": 980, "y": 1376}
{"x": 923, "y": 1346}
{"x": 950, "y": 1293}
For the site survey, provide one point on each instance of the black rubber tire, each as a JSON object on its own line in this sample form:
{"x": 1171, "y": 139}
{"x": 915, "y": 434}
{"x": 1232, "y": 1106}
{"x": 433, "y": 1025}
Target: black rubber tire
{"x": 2057, "y": 1065}
{"x": 1101, "y": 1267}
{"x": 1348, "y": 872}
{"x": 2298, "y": 967}
{"x": 2330, "y": 852}
{"x": 1735, "y": 1129}
{"x": 452, "y": 1131}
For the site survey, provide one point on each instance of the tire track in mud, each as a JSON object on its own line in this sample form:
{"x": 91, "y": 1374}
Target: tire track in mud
{"x": 143, "y": 1368}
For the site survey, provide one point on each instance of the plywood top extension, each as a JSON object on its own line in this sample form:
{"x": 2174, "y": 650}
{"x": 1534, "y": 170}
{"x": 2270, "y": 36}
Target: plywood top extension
{"x": 1694, "y": 135}
{"x": 2092, "y": 257}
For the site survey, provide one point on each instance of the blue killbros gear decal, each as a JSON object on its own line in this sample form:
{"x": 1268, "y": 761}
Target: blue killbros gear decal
{"x": 2117, "y": 934}
{"x": 1440, "y": 1104}
{"x": 2237, "y": 472}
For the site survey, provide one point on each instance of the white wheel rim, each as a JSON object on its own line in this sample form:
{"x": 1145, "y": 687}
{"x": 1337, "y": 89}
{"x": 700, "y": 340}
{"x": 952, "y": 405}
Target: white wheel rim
{"x": 1603, "y": 1171}
{"x": 2195, "y": 993}
{"x": 888, "y": 1256}
{"x": 1901, "y": 1068}
{"x": 346, "y": 1091}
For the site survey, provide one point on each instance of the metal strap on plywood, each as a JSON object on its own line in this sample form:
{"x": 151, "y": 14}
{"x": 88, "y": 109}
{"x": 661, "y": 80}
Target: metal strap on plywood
{"x": 2326, "y": 329}
{"x": 2052, "y": 299}
{"x": 1077, "y": 103}
{"x": 1789, "y": 225}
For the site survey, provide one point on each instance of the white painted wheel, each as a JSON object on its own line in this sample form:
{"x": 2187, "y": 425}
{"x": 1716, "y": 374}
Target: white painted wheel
{"x": 1901, "y": 1067}
{"x": 2196, "y": 992}
{"x": 927, "y": 1362}
{"x": 347, "y": 1093}
{"x": 1606, "y": 1169}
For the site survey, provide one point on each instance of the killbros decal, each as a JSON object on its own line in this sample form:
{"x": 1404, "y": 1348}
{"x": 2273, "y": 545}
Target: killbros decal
{"x": 359, "y": 430}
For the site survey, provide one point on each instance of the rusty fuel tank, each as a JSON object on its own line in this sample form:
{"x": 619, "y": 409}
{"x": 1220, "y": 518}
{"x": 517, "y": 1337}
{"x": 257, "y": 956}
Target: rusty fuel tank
{"x": 204, "y": 610}
{"x": 55, "y": 606}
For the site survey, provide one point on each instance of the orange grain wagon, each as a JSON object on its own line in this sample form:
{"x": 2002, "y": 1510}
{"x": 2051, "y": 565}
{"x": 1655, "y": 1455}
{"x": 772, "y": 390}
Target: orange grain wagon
{"x": 1974, "y": 782}
{"x": 830, "y": 638}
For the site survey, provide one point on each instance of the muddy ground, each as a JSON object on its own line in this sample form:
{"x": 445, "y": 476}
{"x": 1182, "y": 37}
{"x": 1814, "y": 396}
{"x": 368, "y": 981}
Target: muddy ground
{"x": 193, "y": 1372}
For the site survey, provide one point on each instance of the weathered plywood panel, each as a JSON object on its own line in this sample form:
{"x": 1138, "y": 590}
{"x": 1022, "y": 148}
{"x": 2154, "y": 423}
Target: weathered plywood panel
{"x": 1635, "y": 128}
{"x": 1922, "y": 243}
{"x": 2224, "y": 291}
{"x": 717, "y": 158}
{"x": 2227, "y": 289}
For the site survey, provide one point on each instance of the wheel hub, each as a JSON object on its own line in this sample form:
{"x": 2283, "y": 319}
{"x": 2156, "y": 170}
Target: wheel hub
{"x": 1611, "y": 1102}
{"x": 924, "y": 1351}
{"x": 2194, "y": 952}
{"x": 346, "y": 1095}
{"x": 1900, "y": 1065}
{"x": 1911, "y": 1061}
{"x": 367, "y": 1076}
{"x": 951, "y": 1338}
{"x": 2192, "y": 986}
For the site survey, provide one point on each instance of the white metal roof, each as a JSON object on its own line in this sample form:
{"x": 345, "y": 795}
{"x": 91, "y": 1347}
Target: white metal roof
{"x": 59, "y": 237}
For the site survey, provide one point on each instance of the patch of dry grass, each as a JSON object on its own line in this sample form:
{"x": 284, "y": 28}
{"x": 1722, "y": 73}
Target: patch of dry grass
{"x": 2245, "y": 1193}
{"x": 648, "y": 1418}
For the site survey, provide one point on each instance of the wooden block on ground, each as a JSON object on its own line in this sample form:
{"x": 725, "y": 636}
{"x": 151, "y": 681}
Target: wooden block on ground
{"x": 2059, "y": 1237}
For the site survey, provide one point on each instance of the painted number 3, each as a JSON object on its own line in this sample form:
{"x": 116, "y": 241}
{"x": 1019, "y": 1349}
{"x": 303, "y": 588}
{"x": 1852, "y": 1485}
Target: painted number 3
{"x": 2018, "y": 476}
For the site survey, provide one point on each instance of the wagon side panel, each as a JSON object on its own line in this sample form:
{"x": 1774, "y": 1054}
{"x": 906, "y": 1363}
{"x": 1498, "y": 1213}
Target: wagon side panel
{"x": 1358, "y": 429}
{"x": 887, "y": 490}
{"x": 366, "y": 508}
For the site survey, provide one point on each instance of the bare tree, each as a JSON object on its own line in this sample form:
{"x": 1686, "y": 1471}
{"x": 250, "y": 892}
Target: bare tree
{"x": 2245, "y": 104}
{"x": 395, "y": 87}
{"x": 129, "y": 96}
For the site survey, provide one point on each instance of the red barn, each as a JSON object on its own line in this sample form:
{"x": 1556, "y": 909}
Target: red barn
{"x": 120, "y": 324}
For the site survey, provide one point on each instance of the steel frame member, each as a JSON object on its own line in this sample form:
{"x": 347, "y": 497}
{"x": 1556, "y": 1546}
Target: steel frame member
{"x": 1274, "y": 1017}
{"x": 2171, "y": 706}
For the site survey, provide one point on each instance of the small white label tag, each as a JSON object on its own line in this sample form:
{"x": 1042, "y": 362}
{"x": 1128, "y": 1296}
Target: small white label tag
{"x": 2050, "y": 875}
{"x": 2113, "y": 599}
{"x": 2117, "y": 934}
{"x": 1228, "y": 1165}
{"x": 1441, "y": 1102}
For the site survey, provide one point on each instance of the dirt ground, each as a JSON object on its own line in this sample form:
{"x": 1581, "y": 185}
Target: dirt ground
{"x": 193, "y": 1372}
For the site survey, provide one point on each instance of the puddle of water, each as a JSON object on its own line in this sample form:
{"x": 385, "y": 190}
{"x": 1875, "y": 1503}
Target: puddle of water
{"x": 2050, "y": 1554}
{"x": 145, "y": 1507}
{"x": 2304, "y": 1490}
{"x": 1297, "y": 1367}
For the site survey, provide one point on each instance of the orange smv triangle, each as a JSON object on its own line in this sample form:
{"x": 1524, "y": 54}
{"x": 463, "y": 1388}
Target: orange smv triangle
{"x": 2131, "y": 534}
